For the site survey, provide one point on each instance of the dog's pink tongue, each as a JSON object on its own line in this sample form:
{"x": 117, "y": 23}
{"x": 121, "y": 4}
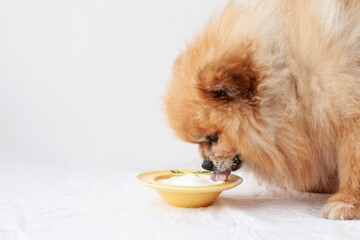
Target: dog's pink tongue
{"x": 220, "y": 176}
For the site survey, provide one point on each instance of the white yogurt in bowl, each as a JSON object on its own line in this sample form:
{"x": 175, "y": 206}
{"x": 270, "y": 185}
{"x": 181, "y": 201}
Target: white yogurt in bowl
{"x": 190, "y": 179}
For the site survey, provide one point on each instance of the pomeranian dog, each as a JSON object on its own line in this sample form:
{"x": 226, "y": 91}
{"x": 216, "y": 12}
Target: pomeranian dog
{"x": 274, "y": 85}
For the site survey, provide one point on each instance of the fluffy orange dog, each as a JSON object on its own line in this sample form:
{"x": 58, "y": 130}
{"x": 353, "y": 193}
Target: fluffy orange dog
{"x": 276, "y": 84}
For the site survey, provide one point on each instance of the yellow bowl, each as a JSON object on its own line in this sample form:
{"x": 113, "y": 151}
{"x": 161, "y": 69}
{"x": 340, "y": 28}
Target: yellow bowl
{"x": 186, "y": 196}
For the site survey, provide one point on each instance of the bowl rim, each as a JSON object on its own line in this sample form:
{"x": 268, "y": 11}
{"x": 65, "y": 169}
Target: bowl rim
{"x": 148, "y": 179}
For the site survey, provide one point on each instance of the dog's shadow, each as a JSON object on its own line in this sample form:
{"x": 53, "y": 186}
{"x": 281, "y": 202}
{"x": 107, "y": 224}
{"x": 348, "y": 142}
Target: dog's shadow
{"x": 310, "y": 203}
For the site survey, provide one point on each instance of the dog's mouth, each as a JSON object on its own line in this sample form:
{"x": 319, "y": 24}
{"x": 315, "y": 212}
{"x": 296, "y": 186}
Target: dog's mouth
{"x": 223, "y": 175}
{"x": 220, "y": 176}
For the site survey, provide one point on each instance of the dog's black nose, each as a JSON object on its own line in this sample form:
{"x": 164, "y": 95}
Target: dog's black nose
{"x": 237, "y": 162}
{"x": 208, "y": 164}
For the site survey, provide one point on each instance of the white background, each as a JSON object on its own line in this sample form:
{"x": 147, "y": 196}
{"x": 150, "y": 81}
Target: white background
{"x": 81, "y": 82}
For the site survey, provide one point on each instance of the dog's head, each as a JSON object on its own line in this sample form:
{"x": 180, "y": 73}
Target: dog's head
{"x": 211, "y": 100}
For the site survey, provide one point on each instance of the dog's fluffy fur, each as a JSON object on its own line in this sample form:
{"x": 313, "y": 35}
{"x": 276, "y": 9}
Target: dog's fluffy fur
{"x": 279, "y": 82}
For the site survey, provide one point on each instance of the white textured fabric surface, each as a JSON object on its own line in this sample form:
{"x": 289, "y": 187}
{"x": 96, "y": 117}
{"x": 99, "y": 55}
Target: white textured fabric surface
{"x": 48, "y": 205}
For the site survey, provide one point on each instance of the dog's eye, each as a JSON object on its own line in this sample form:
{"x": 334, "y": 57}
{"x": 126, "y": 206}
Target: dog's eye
{"x": 220, "y": 93}
{"x": 212, "y": 138}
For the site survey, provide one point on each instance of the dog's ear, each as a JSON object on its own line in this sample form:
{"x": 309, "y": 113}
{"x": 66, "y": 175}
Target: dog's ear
{"x": 229, "y": 78}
